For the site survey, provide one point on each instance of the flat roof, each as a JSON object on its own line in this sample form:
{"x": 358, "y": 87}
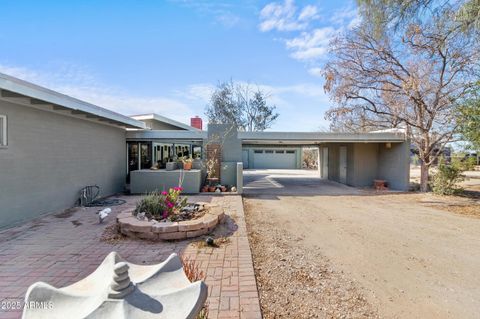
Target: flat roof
{"x": 305, "y": 138}
{"x": 41, "y": 97}
{"x": 196, "y": 135}
{"x": 159, "y": 118}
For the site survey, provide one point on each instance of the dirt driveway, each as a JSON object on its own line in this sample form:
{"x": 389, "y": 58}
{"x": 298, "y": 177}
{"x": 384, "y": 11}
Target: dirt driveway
{"x": 408, "y": 259}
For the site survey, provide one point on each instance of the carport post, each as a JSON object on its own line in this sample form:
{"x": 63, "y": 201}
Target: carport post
{"x": 239, "y": 177}
{"x": 319, "y": 167}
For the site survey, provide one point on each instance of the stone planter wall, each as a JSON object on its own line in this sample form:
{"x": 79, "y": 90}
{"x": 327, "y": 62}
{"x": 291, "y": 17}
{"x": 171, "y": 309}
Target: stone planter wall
{"x": 130, "y": 226}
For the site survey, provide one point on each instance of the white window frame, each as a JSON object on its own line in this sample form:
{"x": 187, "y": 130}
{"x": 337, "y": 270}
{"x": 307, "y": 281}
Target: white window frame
{"x": 4, "y": 142}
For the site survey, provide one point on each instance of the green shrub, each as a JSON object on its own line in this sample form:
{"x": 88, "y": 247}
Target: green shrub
{"x": 162, "y": 205}
{"x": 446, "y": 179}
{"x": 470, "y": 163}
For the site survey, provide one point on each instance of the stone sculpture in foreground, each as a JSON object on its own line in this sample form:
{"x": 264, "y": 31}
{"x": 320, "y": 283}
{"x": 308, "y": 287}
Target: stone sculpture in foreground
{"x": 118, "y": 289}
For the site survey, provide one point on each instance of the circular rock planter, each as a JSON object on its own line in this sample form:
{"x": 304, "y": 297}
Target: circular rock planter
{"x": 154, "y": 230}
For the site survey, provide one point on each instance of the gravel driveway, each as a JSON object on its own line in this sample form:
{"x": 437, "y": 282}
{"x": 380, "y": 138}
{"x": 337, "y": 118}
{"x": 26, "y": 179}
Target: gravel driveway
{"x": 393, "y": 255}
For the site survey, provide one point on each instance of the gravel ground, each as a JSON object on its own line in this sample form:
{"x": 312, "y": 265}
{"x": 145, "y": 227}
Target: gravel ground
{"x": 295, "y": 282}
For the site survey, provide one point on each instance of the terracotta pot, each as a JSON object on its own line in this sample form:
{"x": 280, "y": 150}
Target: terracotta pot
{"x": 223, "y": 188}
{"x": 205, "y": 189}
{"x": 211, "y": 189}
{"x": 187, "y": 166}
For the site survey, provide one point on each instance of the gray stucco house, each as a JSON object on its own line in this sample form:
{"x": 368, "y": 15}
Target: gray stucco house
{"x": 53, "y": 145}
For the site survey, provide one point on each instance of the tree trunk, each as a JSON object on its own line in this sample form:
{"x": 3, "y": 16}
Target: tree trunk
{"x": 424, "y": 170}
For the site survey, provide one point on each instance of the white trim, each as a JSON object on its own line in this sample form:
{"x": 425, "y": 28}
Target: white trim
{"x": 4, "y": 141}
{"x": 31, "y": 90}
{"x": 159, "y": 118}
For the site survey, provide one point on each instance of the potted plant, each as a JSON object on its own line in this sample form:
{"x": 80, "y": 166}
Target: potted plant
{"x": 171, "y": 166}
{"x": 187, "y": 163}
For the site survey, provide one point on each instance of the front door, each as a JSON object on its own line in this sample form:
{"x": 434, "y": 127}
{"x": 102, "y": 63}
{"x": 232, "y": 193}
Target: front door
{"x": 343, "y": 165}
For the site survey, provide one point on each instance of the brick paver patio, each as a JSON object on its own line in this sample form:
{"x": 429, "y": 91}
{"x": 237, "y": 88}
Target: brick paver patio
{"x": 63, "y": 248}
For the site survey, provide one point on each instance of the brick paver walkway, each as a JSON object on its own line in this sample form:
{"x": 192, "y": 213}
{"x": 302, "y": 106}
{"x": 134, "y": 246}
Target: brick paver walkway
{"x": 64, "y": 248}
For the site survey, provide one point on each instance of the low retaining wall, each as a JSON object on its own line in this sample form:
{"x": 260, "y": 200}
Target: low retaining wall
{"x": 146, "y": 180}
{"x": 132, "y": 227}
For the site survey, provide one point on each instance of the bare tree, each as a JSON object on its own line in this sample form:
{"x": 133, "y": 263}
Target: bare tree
{"x": 414, "y": 81}
{"x": 241, "y": 105}
{"x": 383, "y": 14}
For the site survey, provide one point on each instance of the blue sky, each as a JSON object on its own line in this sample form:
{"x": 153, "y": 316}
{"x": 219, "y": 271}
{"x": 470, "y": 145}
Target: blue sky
{"x": 166, "y": 56}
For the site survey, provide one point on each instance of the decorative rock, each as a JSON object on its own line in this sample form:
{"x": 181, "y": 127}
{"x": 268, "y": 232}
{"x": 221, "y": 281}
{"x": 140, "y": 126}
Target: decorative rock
{"x": 233, "y": 189}
{"x": 210, "y": 241}
{"x": 141, "y": 216}
{"x": 121, "y": 284}
{"x": 164, "y": 291}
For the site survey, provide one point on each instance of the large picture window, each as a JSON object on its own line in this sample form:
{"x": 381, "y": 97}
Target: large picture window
{"x": 3, "y": 130}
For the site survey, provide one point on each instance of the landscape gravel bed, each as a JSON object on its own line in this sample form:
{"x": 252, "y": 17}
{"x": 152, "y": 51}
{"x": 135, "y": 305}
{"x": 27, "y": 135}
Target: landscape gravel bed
{"x": 296, "y": 283}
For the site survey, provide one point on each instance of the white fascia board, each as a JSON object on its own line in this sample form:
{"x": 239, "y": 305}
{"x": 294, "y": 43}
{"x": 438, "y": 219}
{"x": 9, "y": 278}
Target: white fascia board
{"x": 164, "y": 119}
{"x": 320, "y": 137}
{"x": 31, "y": 90}
{"x": 166, "y": 135}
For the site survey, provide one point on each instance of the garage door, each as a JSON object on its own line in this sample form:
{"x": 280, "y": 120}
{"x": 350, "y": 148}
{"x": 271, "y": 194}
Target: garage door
{"x": 274, "y": 159}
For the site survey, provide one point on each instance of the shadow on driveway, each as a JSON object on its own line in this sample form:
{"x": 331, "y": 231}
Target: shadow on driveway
{"x": 293, "y": 182}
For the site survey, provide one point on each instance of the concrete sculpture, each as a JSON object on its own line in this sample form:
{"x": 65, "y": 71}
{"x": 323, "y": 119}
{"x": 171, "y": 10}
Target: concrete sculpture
{"x": 118, "y": 289}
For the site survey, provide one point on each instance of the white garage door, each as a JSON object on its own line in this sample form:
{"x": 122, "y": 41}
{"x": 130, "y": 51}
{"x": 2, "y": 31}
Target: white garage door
{"x": 274, "y": 159}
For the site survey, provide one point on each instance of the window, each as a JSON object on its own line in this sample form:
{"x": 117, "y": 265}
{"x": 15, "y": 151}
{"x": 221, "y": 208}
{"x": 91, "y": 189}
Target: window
{"x": 258, "y": 151}
{"x": 279, "y": 152}
{"x": 3, "y": 130}
{"x": 290, "y": 152}
{"x": 268, "y": 152}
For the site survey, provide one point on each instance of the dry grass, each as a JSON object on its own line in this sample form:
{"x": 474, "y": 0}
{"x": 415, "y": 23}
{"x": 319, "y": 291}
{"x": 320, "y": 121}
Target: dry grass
{"x": 112, "y": 235}
{"x": 194, "y": 273}
{"x": 192, "y": 270}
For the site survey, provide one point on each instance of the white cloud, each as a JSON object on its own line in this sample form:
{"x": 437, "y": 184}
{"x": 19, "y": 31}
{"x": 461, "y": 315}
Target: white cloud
{"x": 315, "y": 71}
{"x": 197, "y": 92}
{"x": 77, "y": 82}
{"x": 181, "y": 104}
{"x": 308, "y": 13}
{"x": 344, "y": 15}
{"x": 221, "y": 11}
{"x": 311, "y": 45}
{"x": 284, "y": 17}
{"x": 310, "y": 36}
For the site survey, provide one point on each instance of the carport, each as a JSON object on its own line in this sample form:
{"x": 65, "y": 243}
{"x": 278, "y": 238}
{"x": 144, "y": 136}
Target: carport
{"x": 350, "y": 159}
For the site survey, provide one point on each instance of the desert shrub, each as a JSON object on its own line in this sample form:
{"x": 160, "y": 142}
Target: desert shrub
{"x": 470, "y": 163}
{"x": 193, "y": 273}
{"x": 162, "y": 205}
{"x": 445, "y": 180}
{"x": 415, "y": 160}
{"x": 310, "y": 158}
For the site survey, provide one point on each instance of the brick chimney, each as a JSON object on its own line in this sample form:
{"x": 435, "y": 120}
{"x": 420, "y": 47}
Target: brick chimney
{"x": 196, "y": 122}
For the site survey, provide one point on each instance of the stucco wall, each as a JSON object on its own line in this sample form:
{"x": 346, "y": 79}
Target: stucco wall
{"x": 394, "y": 164}
{"x": 365, "y": 164}
{"x": 369, "y": 161}
{"x": 50, "y": 157}
{"x": 226, "y": 135}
